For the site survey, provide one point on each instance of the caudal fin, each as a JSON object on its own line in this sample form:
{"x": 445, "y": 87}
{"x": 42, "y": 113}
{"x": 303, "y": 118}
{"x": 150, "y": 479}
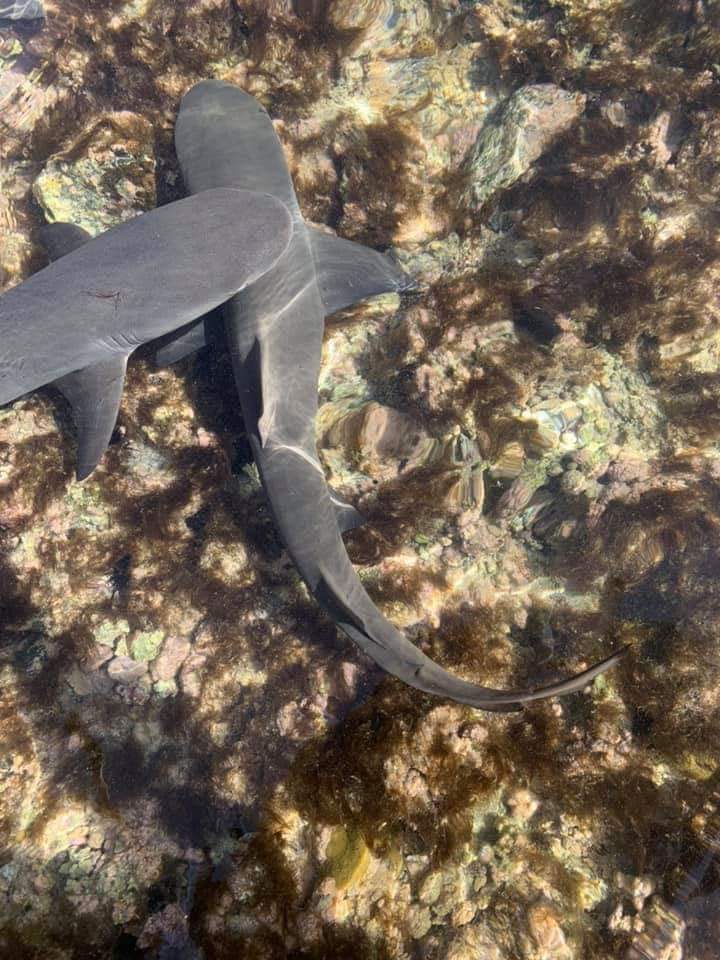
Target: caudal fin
{"x": 359, "y": 618}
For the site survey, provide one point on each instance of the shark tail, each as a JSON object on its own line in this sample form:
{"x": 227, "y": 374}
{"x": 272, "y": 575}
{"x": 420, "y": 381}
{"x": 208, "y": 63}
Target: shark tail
{"x": 389, "y": 647}
{"x": 314, "y": 542}
{"x": 306, "y": 519}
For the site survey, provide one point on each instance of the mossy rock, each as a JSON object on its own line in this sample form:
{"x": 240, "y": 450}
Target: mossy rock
{"x": 348, "y": 857}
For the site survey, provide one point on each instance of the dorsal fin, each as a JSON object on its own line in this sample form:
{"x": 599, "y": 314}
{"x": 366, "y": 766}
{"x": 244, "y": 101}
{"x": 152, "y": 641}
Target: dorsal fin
{"x": 348, "y": 272}
{"x": 94, "y": 392}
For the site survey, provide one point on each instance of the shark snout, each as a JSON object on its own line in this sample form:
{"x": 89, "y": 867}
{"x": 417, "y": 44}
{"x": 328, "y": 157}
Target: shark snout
{"x": 215, "y": 97}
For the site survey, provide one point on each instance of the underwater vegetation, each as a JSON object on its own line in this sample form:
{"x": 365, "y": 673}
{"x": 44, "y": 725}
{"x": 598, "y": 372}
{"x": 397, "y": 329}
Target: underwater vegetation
{"x": 192, "y": 759}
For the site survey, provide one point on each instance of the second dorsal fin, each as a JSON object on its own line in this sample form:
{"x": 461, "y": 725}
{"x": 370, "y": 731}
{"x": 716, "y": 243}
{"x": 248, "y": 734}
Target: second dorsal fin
{"x": 347, "y": 516}
{"x": 94, "y": 392}
{"x": 348, "y": 272}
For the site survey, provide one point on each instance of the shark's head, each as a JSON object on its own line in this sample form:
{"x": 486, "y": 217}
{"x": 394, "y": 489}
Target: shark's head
{"x": 225, "y": 138}
{"x": 215, "y": 98}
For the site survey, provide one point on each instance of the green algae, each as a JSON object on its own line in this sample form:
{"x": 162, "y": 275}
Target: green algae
{"x": 165, "y": 688}
{"x": 146, "y": 645}
{"x": 111, "y": 632}
{"x": 86, "y": 507}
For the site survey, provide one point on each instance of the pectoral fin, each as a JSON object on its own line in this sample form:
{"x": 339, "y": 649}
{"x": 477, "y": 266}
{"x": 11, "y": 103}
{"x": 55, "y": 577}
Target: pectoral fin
{"x": 348, "y": 272}
{"x": 94, "y": 395}
{"x": 94, "y": 392}
{"x": 59, "y": 239}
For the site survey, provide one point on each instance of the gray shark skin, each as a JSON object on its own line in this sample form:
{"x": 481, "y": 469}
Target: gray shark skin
{"x": 274, "y": 328}
{"x": 59, "y": 239}
{"x": 75, "y": 323}
{"x": 94, "y": 393}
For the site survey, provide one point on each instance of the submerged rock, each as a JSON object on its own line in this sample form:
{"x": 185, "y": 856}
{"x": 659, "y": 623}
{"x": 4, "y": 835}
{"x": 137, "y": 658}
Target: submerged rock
{"x": 126, "y": 669}
{"x": 174, "y": 653}
{"x": 378, "y": 433}
{"x": 105, "y": 176}
{"x": 547, "y": 933}
{"x": 361, "y": 15}
{"x": 22, "y": 10}
{"x": 516, "y": 135}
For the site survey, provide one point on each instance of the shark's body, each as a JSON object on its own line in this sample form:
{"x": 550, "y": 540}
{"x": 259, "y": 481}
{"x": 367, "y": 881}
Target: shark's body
{"x": 275, "y": 330}
{"x": 74, "y": 323}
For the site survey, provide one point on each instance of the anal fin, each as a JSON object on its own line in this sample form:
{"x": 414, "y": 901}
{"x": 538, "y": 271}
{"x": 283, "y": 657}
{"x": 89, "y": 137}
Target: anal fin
{"x": 348, "y": 272}
{"x": 94, "y": 394}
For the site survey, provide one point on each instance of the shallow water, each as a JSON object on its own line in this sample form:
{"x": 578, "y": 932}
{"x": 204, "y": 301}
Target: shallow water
{"x": 193, "y": 762}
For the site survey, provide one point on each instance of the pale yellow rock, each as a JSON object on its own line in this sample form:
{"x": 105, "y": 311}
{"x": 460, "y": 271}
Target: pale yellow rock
{"x": 523, "y": 804}
{"x": 348, "y": 857}
{"x": 547, "y": 933}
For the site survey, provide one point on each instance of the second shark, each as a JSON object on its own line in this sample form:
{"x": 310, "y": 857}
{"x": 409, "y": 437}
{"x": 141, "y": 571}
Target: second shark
{"x": 224, "y": 138}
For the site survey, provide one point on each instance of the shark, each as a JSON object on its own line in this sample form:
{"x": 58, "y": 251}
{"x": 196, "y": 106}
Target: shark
{"x": 274, "y": 329}
{"x": 74, "y": 323}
